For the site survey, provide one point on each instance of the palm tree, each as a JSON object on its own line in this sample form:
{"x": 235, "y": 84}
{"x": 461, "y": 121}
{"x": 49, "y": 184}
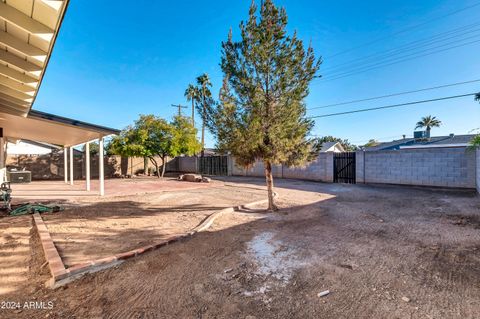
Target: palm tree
{"x": 192, "y": 94}
{"x": 477, "y": 97}
{"x": 428, "y": 122}
{"x": 203, "y": 82}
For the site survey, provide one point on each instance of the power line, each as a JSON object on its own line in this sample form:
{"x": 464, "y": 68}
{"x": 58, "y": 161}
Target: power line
{"x": 361, "y": 65}
{"x": 393, "y": 106}
{"x": 404, "y": 30}
{"x": 425, "y": 42}
{"x": 380, "y": 65}
{"x": 394, "y": 94}
{"x": 179, "y": 107}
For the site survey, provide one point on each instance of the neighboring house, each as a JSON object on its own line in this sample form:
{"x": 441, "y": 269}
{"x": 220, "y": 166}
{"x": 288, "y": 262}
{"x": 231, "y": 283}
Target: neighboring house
{"x": 335, "y": 147}
{"x": 449, "y": 141}
{"x": 210, "y": 152}
{"x": 26, "y": 147}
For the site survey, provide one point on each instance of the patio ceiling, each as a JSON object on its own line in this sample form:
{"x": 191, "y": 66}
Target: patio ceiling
{"x": 28, "y": 29}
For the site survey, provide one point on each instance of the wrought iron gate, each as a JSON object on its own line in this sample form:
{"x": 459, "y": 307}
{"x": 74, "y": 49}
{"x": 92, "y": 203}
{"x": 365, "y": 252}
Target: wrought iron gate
{"x": 344, "y": 168}
{"x": 213, "y": 165}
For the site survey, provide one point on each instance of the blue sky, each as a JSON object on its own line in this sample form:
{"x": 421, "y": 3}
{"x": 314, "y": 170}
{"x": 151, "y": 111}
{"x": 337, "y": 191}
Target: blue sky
{"x": 114, "y": 62}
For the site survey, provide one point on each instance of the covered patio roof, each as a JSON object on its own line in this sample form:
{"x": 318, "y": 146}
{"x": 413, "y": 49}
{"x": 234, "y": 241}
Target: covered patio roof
{"x": 49, "y": 128}
{"x": 28, "y": 29}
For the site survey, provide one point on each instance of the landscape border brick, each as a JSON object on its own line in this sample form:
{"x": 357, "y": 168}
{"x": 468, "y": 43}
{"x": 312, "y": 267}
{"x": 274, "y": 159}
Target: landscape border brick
{"x": 62, "y": 275}
{"x": 55, "y": 263}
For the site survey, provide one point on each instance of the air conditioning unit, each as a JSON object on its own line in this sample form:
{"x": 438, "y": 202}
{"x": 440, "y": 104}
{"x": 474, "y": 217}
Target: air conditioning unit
{"x": 420, "y": 135}
{"x": 19, "y": 177}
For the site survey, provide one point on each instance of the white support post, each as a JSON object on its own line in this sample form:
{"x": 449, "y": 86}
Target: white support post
{"x": 71, "y": 165}
{"x": 101, "y": 176}
{"x": 2, "y": 152}
{"x": 87, "y": 165}
{"x": 65, "y": 164}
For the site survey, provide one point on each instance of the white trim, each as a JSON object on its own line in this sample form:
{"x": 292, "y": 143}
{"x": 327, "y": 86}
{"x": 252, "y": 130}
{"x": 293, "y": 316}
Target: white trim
{"x": 2, "y": 152}
{"x": 65, "y": 164}
{"x": 71, "y": 165}
{"x": 434, "y": 146}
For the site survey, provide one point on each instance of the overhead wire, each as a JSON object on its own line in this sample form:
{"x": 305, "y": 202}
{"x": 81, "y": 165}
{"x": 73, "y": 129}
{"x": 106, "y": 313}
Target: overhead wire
{"x": 395, "y": 61}
{"x": 395, "y": 94}
{"x": 405, "y": 30}
{"x": 393, "y": 105}
{"x": 417, "y": 44}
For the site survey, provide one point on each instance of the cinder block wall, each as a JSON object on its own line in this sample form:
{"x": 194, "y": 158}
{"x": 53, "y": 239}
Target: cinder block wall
{"x": 187, "y": 164}
{"x": 444, "y": 167}
{"x": 477, "y": 153}
{"x": 50, "y": 166}
{"x": 320, "y": 169}
{"x": 360, "y": 166}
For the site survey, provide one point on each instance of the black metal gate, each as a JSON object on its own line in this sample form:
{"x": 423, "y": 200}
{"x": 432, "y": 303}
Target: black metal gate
{"x": 344, "y": 167}
{"x": 213, "y": 165}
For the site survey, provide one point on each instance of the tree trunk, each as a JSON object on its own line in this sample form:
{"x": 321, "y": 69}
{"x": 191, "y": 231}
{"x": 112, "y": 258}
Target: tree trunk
{"x": 193, "y": 113}
{"x": 145, "y": 166}
{"x": 156, "y": 166}
{"x": 163, "y": 166}
{"x": 269, "y": 178}
{"x": 203, "y": 125}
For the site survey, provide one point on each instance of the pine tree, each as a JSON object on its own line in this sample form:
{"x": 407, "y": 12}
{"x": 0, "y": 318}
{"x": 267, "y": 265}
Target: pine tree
{"x": 261, "y": 114}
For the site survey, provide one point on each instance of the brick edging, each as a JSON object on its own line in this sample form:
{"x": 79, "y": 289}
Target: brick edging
{"x": 55, "y": 264}
{"x": 61, "y": 275}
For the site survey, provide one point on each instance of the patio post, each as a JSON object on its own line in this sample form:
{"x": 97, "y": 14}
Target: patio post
{"x": 71, "y": 165}
{"x": 65, "y": 164}
{"x": 2, "y": 150}
{"x": 87, "y": 165}
{"x": 101, "y": 173}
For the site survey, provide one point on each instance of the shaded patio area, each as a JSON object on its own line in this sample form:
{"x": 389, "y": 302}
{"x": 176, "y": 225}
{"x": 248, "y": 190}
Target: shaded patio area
{"x": 59, "y": 190}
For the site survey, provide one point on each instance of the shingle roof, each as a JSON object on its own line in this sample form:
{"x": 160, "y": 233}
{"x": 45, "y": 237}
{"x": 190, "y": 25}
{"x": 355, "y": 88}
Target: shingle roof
{"x": 433, "y": 141}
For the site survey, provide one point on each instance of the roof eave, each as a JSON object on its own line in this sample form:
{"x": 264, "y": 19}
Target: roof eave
{"x": 102, "y": 130}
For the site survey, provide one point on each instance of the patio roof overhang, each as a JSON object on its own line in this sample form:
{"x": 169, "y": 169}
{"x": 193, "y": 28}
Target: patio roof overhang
{"x": 28, "y": 29}
{"x": 49, "y": 128}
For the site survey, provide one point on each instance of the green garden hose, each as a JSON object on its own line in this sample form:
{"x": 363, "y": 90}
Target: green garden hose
{"x": 34, "y": 208}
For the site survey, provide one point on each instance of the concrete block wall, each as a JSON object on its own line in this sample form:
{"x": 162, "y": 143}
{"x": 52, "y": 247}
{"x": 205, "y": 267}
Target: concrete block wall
{"x": 187, "y": 164}
{"x": 477, "y": 159}
{"x": 315, "y": 170}
{"x": 256, "y": 170}
{"x": 443, "y": 167}
{"x": 360, "y": 167}
{"x": 50, "y": 166}
{"x": 320, "y": 169}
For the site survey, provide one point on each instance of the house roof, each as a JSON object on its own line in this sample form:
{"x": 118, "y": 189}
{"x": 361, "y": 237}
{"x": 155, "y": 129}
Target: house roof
{"x": 435, "y": 141}
{"x": 328, "y": 146}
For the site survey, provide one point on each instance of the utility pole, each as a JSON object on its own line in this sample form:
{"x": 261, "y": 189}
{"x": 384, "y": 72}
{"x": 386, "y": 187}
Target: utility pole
{"x": 180, "y": 107}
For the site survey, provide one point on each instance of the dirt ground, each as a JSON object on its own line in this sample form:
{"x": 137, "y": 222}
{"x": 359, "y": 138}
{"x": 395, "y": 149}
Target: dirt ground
{"x": 91, "y": 231}
{"x": 381, "y": 251}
